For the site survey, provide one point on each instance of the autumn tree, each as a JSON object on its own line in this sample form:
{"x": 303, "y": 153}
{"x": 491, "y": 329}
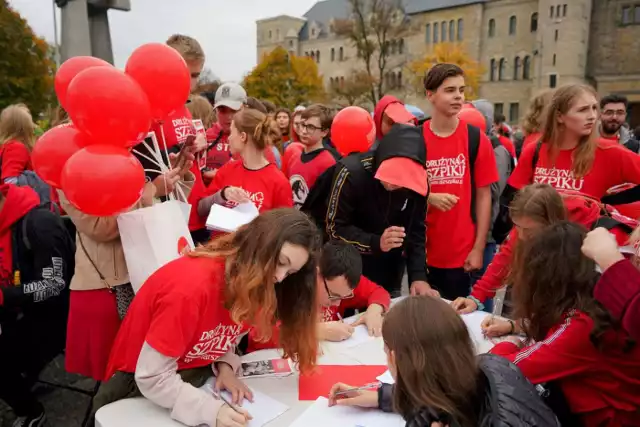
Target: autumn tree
{"x": 377, "y": 29}
{"x": 451, "y": 53}
{"x": 286, "y": 80}
{"x": 353, "y": 89}
{"x": 26, "y": 66}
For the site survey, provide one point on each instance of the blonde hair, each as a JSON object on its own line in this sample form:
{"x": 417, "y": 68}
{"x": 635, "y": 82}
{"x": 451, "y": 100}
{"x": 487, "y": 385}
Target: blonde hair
{"x": 17, "y": 124}
{"x": 561, "y": 102}
{"x": 531, "y": 121}
{"x": 262, "y": 129}
{"x": 187, "y": 47}
{"x": 201, "y": 109}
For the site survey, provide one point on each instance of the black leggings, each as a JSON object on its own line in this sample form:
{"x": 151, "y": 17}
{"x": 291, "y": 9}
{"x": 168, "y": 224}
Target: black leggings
{"x": 450, "y": 282}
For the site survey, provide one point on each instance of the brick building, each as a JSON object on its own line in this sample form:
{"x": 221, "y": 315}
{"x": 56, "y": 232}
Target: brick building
{"x": 524, "y": 45}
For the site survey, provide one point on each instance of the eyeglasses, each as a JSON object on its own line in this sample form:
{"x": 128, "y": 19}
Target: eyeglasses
{"x": 611, "y": 113}
{"x": 334, "y": 297}
{"x": 309, "y": 128}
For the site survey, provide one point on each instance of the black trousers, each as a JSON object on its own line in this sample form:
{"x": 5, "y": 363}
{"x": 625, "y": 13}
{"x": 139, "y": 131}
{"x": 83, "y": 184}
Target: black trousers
{"x": 386, "y": 271}
{"x": 450, "y": 282}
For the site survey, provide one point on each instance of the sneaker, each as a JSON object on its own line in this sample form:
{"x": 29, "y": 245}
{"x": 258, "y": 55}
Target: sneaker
{"x": 30, "y": 421}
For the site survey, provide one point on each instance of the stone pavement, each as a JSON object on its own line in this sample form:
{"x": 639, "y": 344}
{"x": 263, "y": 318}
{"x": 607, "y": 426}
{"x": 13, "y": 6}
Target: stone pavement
{"x": 64, "y": 408}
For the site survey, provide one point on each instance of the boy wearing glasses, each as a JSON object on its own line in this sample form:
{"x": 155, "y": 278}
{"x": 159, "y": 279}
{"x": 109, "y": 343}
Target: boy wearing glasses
{"x": 304, "y": 168}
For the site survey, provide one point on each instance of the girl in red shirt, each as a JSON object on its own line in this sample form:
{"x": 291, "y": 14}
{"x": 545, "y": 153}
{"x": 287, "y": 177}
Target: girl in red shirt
{"x": 570, "y": 157}
{"x": 252, "y": 177}
{"x": 575, "y": 348}
{"x": 17, "y": 137}
{"x": 182, "y": 328}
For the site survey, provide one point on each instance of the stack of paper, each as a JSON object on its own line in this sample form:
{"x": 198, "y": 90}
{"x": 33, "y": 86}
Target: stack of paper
{"x": 228, "y": 220}
{"x": 321, "y": 415}
{"x": 266, "y": 368}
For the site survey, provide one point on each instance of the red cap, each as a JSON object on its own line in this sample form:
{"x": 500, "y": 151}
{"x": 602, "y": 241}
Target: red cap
{"x": 399, "y": 114}
{"x": 404, "y": 172}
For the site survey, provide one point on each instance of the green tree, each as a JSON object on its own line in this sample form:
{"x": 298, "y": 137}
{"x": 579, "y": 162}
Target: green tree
{"x": 286, "y": 80}
{"x": 26, "y": 66}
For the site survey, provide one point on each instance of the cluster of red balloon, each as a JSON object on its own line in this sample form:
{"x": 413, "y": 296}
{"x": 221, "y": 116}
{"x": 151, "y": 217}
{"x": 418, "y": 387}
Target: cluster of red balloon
{"x": 110, "y": 111}
{"x": 353, "y": 130}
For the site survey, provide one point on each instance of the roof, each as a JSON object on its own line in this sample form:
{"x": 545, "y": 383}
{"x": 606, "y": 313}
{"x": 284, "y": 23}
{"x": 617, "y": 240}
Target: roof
{"x": 275, "y": 18}
{"x": 325, "y": 10}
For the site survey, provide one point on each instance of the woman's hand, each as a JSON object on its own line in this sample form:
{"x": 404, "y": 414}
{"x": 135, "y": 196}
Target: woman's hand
{"x": 165, "y": 183}
{"x": 361, "y": 398}
{"x": 372, "y": 319}
{"x": 443, "y": 201}
{"x": 494, "y": 327}
{"x": 335, "y": 331}
{"x": 200, "y": 143}
{"x": 235, "y": 194}
{"x": 464, "y": 305}
{"x": 227, "y": 380}
{"x": 601, "y": 246}
{"x": 228, "y": 417}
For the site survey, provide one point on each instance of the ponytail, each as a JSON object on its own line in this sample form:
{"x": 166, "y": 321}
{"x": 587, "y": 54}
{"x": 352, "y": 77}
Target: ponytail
{"x": 263, "y": 129}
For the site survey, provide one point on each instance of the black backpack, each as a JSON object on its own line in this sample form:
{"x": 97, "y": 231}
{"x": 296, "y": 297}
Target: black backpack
{"x": 502, "y": 224}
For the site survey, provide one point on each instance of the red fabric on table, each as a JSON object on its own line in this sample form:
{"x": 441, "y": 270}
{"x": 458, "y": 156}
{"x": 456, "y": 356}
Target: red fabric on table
{"x": 319, "y": 383}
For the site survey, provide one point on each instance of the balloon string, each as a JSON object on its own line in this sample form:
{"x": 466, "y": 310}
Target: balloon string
{"x": 166, "y": 152}
{"x": 151, "y": 160}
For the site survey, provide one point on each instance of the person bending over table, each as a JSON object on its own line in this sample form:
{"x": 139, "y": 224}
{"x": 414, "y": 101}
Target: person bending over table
{"x": 438, "y": 379}
{"x": 183, "y": 324}
{"x": 340, "y": 287}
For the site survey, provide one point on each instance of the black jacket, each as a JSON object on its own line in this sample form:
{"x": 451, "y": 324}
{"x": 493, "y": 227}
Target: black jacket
{"x": 43, "y": 254}
{"x": 360, "y": 209}
{"x": 507, "y": 399}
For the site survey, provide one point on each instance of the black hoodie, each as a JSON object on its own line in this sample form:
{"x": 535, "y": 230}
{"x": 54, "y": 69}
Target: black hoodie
{"x": 360, "y": 209}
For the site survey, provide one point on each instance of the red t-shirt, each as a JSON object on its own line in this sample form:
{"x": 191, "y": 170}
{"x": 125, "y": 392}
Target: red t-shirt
{"x": 303, "y": 169}
{"x": 180, "y": 316}
{"x": 176, "y": 128}
{"x": 508, "y": 144}
{"x": 613, "y": 165}
{"x": 534, "y": 137}
{"x": 451, "y": 234}
{"x": 267, "y": 187}
{"x": 219, "y": 154}
{"x": 293, "y": 149}
{"x": 16, "y": 158}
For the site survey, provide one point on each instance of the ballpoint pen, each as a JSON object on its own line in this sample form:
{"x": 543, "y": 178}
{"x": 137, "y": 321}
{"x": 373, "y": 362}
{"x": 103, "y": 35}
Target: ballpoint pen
{"x": 227, "y": 401}
{"x": 364, "y": 387}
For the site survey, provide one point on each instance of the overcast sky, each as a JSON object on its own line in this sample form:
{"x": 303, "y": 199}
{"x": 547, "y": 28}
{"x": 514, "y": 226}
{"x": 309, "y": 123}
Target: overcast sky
{"x": 225, "y": 28}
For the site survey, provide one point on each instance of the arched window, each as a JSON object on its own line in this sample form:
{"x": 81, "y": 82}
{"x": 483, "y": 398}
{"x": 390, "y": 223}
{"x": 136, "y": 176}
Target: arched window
{"x": 436, "y": 32}
{"x": 394, "y": 47}
{"x": 513, "y": 23}
{"x": 460, "y": 29}
{"x": 534, "y": 22}
{"x": 502, "y": 67}
{"x": 318, "y": 56}
{"x": 333, "y": 54}
{"x": 443, "y": 31}
{"x": 452, "y": 30}
{"x": 341, "y": 54}
{"x": 526, "y": 68}
{"x": 331, "y": 81}
{"x": 399, "y": 78}
{"x": 492, "y": 70}
{"x": 517, "y": 64}
{"x": 427, "y": 33}
{"x": 492, "y": 27}
{"x": 401, "y": 46}
{"x": 341, "y": 81}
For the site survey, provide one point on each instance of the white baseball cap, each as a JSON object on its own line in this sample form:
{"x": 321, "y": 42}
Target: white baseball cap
{"x": 230, "y": 95}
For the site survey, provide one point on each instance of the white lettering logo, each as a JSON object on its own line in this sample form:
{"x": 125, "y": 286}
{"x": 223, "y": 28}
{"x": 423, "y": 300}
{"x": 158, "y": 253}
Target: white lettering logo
{"x": 327, "y": 314}
{"x": 447, "y": 170}
{"x": 214, "y": 343}
{"x": 562, "y": 180}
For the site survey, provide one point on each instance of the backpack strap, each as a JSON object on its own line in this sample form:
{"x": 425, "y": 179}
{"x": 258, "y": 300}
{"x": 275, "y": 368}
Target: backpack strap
{"x": 25, "y": 236}
{"x": 536, "y": 157}
{"x": 474, "y": 146}
{"x": 609, "y": 223}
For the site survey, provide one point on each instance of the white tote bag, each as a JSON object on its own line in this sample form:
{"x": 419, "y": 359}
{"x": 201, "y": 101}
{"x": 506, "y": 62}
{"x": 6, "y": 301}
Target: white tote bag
{"x": 152, "y": 237}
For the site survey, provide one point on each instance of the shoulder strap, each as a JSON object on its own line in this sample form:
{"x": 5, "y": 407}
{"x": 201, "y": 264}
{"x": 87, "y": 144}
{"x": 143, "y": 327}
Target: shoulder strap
{"x": 25, "y": 236}
{"x": 610, "y": 223}
{"x": 474, "y": 146}
{"x": 214, "y": 143}
{"x": 536, "y": 156}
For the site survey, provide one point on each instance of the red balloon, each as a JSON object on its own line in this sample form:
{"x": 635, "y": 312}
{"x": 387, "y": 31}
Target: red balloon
{"x": 71, "y": 68}
{"x": 109, "y": 106}
{"x": 103, "y": 180}
{"x": 473, "y": 117}
{"x": 353, "y": 130}
{"x": 163, "y": 75}
{"x": 53, "y": 149}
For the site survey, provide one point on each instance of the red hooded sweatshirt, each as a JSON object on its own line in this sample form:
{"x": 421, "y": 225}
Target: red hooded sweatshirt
{"x": 581, "y": 210}
{"x": 379, "y": 111}
{"x": 18, "y": 201}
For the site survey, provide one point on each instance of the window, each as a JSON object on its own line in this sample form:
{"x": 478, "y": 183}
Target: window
{"x": 278, "y": 35}
{"x": 313, "y": 32}
{"x": 333, "y": 54}
{"x": 556, "y": 35}
{"x": 626, "y": 15}
{"x": 517, "y": 65}
{"x": 498, "y": 107}
{"x": 564, "y": 10}
{"x": 270, "y": 34}
{"x": 502, "y": 68}
{"x": 341, "y": 54}
{"x": 492, "y": 70}
{"x": 526, "y": 68}
{"x": 313, "y": 56}
{"x": 332, "y": 82}
{"x": 513, "y": 23}
{"x": 452, "y": 30}
{"x": 401, "y": 46}
{"x": 435, "y": 32}
{"x": 427, "y": 33}
{"x": 318, "y": 56}
{"x": 551, "y": 12}
{"x": 341, "y": 81}
{"x": 492, "y": 27}
{"x": 534, "y": 22}
{"x": 393, "y": 47}
{"x": 554, "y": 59}
{"x": 399, "y": 78}
{"x": 553, "y": 80}
{"x": 443, "y": 31}
{"x": 290, "y": 43}
{"x": 514, "y": 112}
{"x": 636, "y": 13}
{"x": 460, "y": 29}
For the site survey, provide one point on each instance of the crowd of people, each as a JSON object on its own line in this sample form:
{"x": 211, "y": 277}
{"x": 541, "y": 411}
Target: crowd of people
{"x": 461, "y": 204}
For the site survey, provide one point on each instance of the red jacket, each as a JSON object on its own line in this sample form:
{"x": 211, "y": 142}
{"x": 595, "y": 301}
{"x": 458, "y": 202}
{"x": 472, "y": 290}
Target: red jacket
{"x": 16, "y": 158}
{"x": 602, "y": 387}
{"x": 365, "y": 294}
{"x": 619, "y": 291}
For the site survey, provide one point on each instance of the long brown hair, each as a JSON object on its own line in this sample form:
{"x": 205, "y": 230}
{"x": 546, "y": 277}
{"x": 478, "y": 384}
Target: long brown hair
{"x": 539, "y": 202}
{"x": 201, "y": 109}
{"x": 551, "y": 277}
{"x": 17, "y": 124}
{"x": 435, "y": 360}
{"x": 262, "y": 129}
{"x": 531, "y": 123}
{"x": 252, "y": 296}
{"x": 552, "y": 133}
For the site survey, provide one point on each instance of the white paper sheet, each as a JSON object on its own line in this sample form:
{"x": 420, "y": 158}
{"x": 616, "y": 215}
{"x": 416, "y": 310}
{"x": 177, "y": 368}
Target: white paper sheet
{"x": 227, "y": 220}
{"x": 360, "y": 336}
{"x": 386, "y": 378}
{"x": 319, "y": 414}
{"x": 263, "y": 409}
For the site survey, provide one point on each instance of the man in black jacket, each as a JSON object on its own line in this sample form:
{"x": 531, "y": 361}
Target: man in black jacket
{"x": 378, "y": 204}
{"x": 36, "y": 265}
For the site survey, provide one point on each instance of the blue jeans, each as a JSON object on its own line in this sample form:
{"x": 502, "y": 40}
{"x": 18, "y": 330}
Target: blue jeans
{"x": 489, "y": 253}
